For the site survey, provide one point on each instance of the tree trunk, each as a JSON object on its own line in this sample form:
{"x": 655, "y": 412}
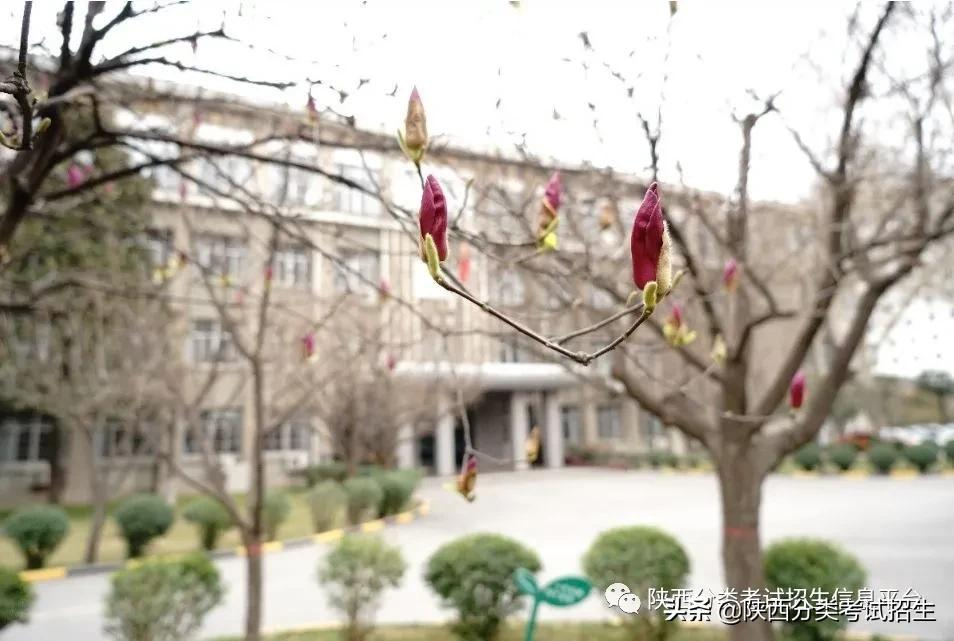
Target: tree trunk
{"x": 57, "y": 467}
{"x": 98, "y": 520}
{"x": 253, "y": 590}
{"x": 741, "y": 489}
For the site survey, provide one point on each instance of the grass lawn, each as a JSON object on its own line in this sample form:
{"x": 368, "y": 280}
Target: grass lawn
{"x": 182, "y": 536}
{"x": 514, "y": 632}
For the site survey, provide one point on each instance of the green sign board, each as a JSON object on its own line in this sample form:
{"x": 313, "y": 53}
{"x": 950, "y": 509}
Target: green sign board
{"x": 562, "y": 592}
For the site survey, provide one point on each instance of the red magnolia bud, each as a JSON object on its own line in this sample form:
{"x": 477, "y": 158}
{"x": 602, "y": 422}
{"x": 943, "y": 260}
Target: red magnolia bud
{"x": 649, "y": 244}
{"x": 390, "y": 362}
{"x": 796, "y": 390}
{"x": 311, "y": 108}
{"x": 553, "y": 192}
{"x": 308, "y": 344}
{"x": 269, "y": 272}
{"x": 384, "y": 289}
{"x": 463, "y": 263}
{"x": 75, "y": 176}
{"x": 730, "y": 274}
{"x": 676, "y": 316}
{"x": 468, "y": 477}
{"x": 433, "y": 217}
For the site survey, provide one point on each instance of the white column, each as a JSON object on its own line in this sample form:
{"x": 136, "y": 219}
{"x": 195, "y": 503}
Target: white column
{"x": 553, "y": 431}
{"x": 444, "y": 442}
{"x": 406, "y": 450}
{"x": 519, "y": 429}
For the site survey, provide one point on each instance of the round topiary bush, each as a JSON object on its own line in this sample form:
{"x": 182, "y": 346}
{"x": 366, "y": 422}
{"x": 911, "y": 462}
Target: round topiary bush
{"x": 332, "y": 471}
{"x": 327, "y": 502}
{"x": 474, "y": 576}
{"x": 949, "y": 452}
{"x": 162, "y": 600}
{"x": 275, "y": 511}
{"x": 210, "y": 518}
{"x": 141, "y": 518}
{"x": 356, "y": 572}
{"x": 16, "y": 597}
{"x": 397, "y": 487}
{"x": 642, "y": 558}
{"x": 364, "y": 498}
{"x": 37, "y": 530}
{"x": 843, "y": 456}
{"x": 807, "y": 564}
{"x": 922, "y": 456}
{"x": 808, "y": 457}
{"x": 882, "y": 457}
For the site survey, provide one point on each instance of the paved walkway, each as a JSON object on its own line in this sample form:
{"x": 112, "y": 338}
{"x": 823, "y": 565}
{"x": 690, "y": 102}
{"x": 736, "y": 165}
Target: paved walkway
{"x": 903, "y": 531}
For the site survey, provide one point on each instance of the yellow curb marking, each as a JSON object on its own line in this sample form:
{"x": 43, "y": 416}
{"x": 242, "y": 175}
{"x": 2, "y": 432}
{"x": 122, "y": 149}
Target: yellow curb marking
{"x": 329, "y": 536}
{"x": 44, "y": 574}
{"x": 404, "y": 517}
{"x": 423, "y": 509}
{"x": 268, "y": 546}
{"x": 372, "y": 526}
{"x": 855, "y": 474}
{"x": 904, "y": 474}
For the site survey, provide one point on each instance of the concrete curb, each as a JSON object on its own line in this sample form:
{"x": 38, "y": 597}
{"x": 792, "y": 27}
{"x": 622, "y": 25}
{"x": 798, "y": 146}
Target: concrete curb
{"x": 329, "y": 536}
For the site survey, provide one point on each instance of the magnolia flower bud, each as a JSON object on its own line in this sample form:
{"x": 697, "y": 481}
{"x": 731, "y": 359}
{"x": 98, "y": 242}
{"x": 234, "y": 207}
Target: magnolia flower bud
{"x": 730, "y": 275}
{"x": 415, "y": 125}
{"x": 650, "y": 247}
{"x": 532, "y": 446}
{"x": 675, "y": 330}
{"x": 75, "y": 176}
{"x": 467, "y": 480}
{"x": 796, "y": 390}
{"x": 719, "y": 351}
{"x": 308, "y": 345}
{"x": 433, "y": 218}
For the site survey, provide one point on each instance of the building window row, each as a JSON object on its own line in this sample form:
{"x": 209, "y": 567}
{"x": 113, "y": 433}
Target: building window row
{"x": 25, "y": 438}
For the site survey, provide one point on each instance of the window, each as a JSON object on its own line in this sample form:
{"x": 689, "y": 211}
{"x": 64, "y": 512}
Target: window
{"x": 158, "y": 245}
{"x": 222, "y": 430}
{"x": 571, "y": 420}
{"x": 114, "y": 440}
{"x": 353, "y": 201}
{"x": 358, "y": 272}
{"x": 293, "y": 435}
{"x": 608, "y": 422}
{"x": 221, "y": 255}
{"x": 24, "y": 438}
{"x": 293, "y": 267}
{"x": 210, "y": 342}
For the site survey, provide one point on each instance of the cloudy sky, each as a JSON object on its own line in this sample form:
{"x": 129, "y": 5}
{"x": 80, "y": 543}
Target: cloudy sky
{"x": 495, "y": 73}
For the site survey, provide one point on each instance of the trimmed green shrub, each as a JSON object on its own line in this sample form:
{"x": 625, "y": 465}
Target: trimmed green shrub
{"x": 333, "y": 471}
{"x": 882, "y": 457}
{"x": 807, "y": 564}
{"x": 162, "y": 600}
{"x": 369, "y": 469}
{"x": 210, "y": 518}
{"x": 141, "y": 518}
{"x": 16, "y": 597}
{"x": 355, "y": 573}
{"x": 808, "y": 457}
{"x": 327, "y": 502}
{"x": 364, "y": 498}
{"x": 642, "y": 558}
{"x": 37, "y": 530}
{"x": 397, "y": 487}
{"x": 657, "y": 458}
{"x": 474, "y": 576}
{"x": 275, "y": 511}
{"x": 843, "y": 456}
{"x": 949, "y": 451}
{"x": 922, "y": 456}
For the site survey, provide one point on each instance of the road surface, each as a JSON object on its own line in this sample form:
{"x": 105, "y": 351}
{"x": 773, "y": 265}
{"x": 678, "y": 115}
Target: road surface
{"x": 902, "y": 530}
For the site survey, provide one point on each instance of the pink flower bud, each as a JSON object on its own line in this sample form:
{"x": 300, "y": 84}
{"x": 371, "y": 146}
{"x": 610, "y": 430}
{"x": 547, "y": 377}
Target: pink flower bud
{"x": 676, "y": 316}
{"x": 390, "y": 362}
{"x": 467, "y": 480}
{"x": 730, "y": 274}
{"x": 269, "y": 272}
{"x": 553, "y": 192}
{"x": 308, "y": 345}
{"x": 311, "y": 108}
{"x": 433, "y": 217}
{"x": 796, "y": 390}
{"x": 650, "y": 245}
{"x": 75, "y": 176}
{"x": 384, "y": 289}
